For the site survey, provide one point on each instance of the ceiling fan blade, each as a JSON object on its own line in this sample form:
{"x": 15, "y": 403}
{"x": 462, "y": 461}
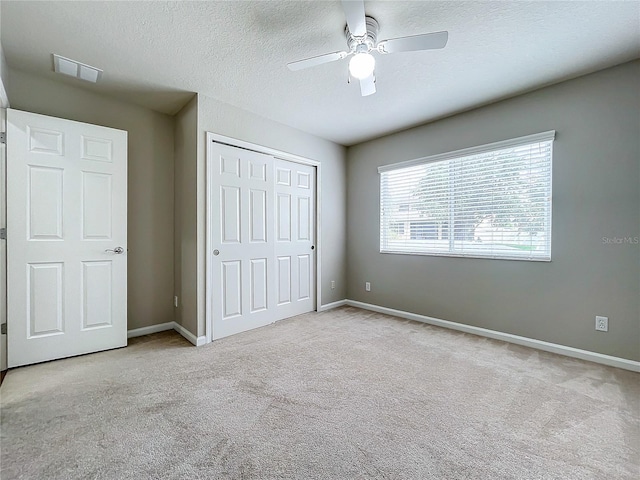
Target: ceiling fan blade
{"x": 313, "y": 61}
{"x": 354, "y": 11}
{"x": 427, "y": 41}
{"x": 368, "y": 86}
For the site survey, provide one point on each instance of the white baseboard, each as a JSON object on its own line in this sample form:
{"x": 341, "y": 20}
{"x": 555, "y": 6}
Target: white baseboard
{"x": 161, "y": 327}
{"x": 329, "y": 306}
{"x": 507, "y": 337}
{"x": 197, "y": 341}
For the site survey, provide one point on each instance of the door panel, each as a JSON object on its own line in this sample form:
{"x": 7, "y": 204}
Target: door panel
{"x": 304, "y": 220}
{"x": 231, "y": 289}
{"x": 98, "y": 149}
{"x": 258, "y": 285}
{"x": 241, "y": 216}
{"x": 304, "y": 277}
{"x": 96, "y": 206}
{"x": 67, "y": 207}
{"x": 230, "y": 214}
{"x": 258, "y": 212}
{"x": 284, "y": 280}
{"x": 284, "y": 217}
{"x": 45, "y": 297}
{"x": 284, "y": 176}
{"x": 96, "y": 294}
{"x": 45, "y": 141}
{"x": 44, "y": 220}
{"x": 295, "y": 242}
{"x": 262, "y": 221}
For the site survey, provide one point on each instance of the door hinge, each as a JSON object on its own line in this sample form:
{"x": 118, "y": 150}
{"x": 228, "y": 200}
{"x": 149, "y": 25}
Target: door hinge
{"x": 3, "y": 137}
{"x": 3, "y": 329}
{"x": 3, "y": 233}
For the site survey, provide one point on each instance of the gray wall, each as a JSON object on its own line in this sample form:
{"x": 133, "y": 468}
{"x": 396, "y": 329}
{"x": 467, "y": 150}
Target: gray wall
{"x": 150, "y": 188}
{"x": 214, "y": 116}
{"x": 4, "y": 80}
{"x": 596, "y": 194}
{"x": 185, "y": 233}
{"x": 4, "y": 75}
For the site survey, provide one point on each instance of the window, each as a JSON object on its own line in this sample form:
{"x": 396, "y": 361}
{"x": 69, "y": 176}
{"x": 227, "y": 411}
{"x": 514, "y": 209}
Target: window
{"x": 492, "y": 201}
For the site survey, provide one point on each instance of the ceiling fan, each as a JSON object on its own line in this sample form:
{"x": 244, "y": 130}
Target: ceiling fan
{"x": 362, "y": 40}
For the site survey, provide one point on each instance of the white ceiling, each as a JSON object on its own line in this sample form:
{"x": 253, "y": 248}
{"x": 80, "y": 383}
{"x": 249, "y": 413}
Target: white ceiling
{"x": 156, "y": 54}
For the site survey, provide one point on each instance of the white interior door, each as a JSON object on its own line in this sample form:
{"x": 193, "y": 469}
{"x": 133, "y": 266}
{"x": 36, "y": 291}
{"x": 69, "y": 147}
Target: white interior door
{"x": 262, "y": 214}
{"x": 295, "y": 238}
{"x": 66, "y": 238}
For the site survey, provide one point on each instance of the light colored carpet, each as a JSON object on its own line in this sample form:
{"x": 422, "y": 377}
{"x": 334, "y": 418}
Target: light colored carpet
{"x": 337, "y": 395}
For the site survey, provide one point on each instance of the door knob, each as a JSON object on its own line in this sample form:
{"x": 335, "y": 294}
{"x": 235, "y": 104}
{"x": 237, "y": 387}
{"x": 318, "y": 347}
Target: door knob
{"x": 216, "y": 252}
{"x": 313, "y": 247}
{"x": 117, "y": 250}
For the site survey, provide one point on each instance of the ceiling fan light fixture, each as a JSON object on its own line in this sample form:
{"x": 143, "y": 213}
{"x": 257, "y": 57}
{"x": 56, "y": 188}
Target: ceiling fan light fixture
{"x": 361, "y": 33}
{"x": 361, "y": 65}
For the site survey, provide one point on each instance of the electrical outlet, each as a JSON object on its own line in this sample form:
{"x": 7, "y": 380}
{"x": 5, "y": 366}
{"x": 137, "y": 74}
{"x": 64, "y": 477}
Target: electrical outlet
{"x": 175, "y": 301}
{"x": 333, "y": 284}
{"x": 367, "y": 286}
{"x": 602, "y": 324}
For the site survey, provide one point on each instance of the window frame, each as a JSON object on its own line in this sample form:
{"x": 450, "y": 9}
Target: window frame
{"x": 548, "y": 136}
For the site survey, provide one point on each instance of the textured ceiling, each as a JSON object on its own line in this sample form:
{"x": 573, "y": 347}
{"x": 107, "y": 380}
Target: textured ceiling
{"x": 156, "y": 54}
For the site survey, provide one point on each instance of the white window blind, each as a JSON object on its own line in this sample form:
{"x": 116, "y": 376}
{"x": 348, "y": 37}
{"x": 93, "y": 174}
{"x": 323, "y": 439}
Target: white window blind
{"x": 492, "y": 201}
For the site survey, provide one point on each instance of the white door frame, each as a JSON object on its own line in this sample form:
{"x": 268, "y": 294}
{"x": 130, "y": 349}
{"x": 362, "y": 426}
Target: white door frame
{"x": 234, "y": 142}
{"x": 4, "y": 104}
{"x": 3, "y": 242}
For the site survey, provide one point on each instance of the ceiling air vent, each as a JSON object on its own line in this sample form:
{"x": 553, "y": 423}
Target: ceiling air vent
{"x": 66, "y": 66}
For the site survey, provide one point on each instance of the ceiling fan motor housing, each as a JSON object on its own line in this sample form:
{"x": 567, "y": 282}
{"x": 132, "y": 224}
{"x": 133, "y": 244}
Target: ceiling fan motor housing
{"x": 365, "y": 43}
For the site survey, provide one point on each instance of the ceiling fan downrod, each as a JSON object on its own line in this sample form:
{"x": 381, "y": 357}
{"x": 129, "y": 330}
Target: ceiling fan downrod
{"x": 370, "y": 39}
